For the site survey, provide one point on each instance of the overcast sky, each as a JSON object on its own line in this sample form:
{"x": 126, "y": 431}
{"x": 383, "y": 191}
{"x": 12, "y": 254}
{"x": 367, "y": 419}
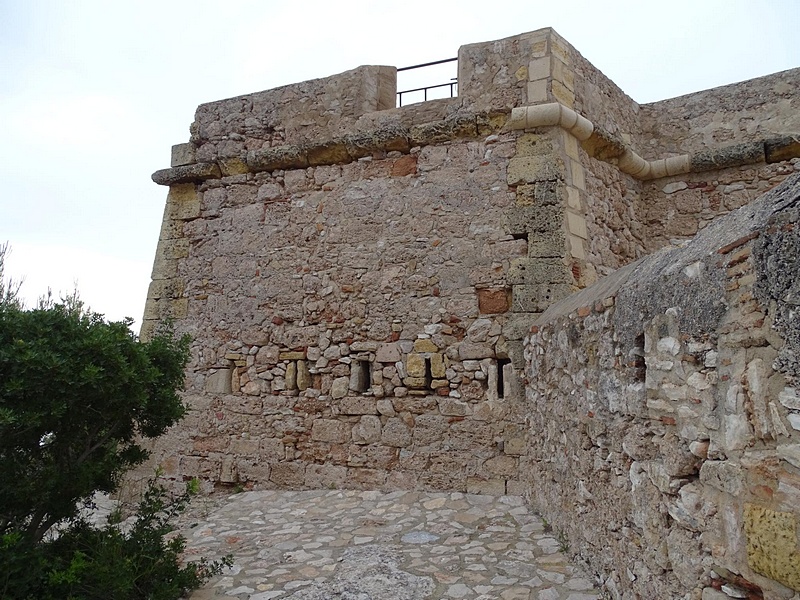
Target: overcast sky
{"x": 93, "y": 94}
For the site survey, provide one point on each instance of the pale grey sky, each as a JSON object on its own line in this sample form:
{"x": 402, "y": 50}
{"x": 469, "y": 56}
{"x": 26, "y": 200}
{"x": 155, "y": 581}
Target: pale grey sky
{"x": 93, "y": 94}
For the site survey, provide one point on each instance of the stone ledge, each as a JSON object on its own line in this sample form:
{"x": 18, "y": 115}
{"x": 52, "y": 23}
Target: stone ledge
{"x": 342, "y": 150}
{"x": 604, "y": 146}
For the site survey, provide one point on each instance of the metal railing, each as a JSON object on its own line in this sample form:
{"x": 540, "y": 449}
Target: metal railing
{"x": 452, "y": 84}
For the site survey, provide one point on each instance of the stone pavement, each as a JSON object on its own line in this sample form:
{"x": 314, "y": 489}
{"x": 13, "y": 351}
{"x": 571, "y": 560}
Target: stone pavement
{"x": 353, "y": 545}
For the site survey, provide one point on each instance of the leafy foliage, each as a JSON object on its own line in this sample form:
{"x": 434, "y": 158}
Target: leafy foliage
{"x": 75, "y": 392}
{"x": 90, "y": 563}
{"x": 77, "y": 396}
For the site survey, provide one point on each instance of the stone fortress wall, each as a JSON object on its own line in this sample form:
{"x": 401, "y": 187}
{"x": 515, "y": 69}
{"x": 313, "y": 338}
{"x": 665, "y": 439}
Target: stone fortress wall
{"x": 359, "y": 281}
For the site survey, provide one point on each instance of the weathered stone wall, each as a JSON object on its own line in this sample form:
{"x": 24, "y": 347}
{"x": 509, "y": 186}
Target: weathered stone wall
{"x": 663, "y": 420}
{"x": 358, "y": 280}
{"x": 747, "y": 112}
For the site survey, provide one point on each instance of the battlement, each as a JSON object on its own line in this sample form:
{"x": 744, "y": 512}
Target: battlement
{"x": 361, "y": 280}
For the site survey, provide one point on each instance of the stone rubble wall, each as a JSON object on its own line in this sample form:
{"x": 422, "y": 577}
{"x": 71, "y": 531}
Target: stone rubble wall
{"x": 358, "y": 281}
{"x": 662, "y": 408}
{"x": 745, "y": 112}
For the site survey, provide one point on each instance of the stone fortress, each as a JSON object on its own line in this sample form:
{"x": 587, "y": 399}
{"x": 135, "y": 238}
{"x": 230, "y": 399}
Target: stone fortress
{"x": 538, "y": 288}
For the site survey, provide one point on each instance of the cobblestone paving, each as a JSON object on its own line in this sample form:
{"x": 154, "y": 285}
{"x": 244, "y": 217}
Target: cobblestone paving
{"x": 351, "y": 545}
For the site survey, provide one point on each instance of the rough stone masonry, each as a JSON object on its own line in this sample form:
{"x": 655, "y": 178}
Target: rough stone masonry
{"x": 359, "y": 281}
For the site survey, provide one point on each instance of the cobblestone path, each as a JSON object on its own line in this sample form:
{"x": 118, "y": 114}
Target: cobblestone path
{"x": 351, "y": 545}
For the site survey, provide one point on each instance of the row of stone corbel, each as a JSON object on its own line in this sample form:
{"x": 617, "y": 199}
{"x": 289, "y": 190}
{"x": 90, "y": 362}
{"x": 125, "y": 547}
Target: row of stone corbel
{"x": 602, "y": 145}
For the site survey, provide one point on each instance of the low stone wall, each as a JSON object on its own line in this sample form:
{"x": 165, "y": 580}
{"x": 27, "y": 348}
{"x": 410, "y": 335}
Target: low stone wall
{"x": 663, "y": 415}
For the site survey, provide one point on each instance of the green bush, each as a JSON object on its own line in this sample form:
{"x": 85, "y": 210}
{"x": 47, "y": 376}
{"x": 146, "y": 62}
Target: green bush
{"x": 77, "y": 396}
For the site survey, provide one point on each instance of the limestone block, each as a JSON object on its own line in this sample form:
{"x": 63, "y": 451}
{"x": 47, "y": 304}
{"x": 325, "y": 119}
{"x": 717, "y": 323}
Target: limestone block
{"x": 340, "y": 387}
{"x": 577, "y": 225}
{"x": 291, "y": 376}
{"x": 527, "y": 271}
{"x": 358, "y": 405}
{"x": 360, "y": 378}
{"x": 228, "y": 472}
{"x": 529, "y": 169}
{"x": 789, "y": 398}
{"x": 219, "y": 382}
{"x": 244, "y": 447}
{"x": 271, "y": 449}
{"x": 515, "y": 446}
{"x": 537, "y": 298}
{"x": 387, "y": 353}
{"x": 415, "y": 365}
{"x": 396, "y": 433}
{"x": 453, "y": 407}
{"x": 329, "y": 430}
{"x": 539, "y": 68}
{"x": 471, "y": 351}
{"x": 530, "y": 219}
{"x": 772, "y": 548}
{"x": 182, "y": 154}
{"x": 325, "y": 476}
{"x": 537, "y": 92}
{"x": 385, "y": 407}
{"x": 367, "y": 430}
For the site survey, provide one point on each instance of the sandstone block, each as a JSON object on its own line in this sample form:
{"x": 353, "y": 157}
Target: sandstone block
{"x": 183, "y": 201}
{"x": 520, "y": 220}
{"x": 529, "y": 169}
{"x": 425, "y": 345}
{"x": 331, "y": 431}
{"x": 536, "y": 298}
{"x": 292, "y": 355}
{"x": 534, "y": 144}
{"x": 415, "y": 382}
{"x": 303, "y": 376}
{"x": 415, "y": 365}
{"x": 527, "y": 271}
{"x": 182, "y": 154}
{"x": 438, "y": 368}
{"x": 493, "y": 301}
